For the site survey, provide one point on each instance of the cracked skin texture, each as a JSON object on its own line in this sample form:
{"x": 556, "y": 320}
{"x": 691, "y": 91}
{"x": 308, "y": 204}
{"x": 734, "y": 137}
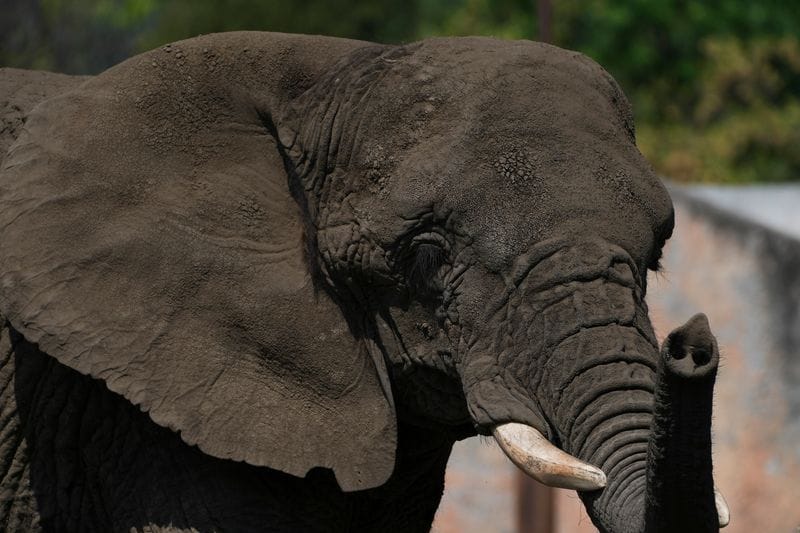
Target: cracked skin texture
{"x": 275, "y": 256}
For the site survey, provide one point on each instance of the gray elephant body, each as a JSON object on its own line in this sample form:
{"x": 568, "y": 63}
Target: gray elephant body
{"x": 77, "y": 457}
{"x": 119, "y": 471}
{"x": 314, "y": 264}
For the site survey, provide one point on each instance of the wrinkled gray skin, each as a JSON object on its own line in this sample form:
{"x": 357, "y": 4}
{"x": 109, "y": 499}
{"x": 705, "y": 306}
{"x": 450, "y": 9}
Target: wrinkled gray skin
{"x": 247, "y": 258}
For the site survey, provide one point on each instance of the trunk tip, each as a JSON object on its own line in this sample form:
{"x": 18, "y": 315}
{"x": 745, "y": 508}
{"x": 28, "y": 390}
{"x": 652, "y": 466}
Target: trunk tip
{"x": 691, "y": 351}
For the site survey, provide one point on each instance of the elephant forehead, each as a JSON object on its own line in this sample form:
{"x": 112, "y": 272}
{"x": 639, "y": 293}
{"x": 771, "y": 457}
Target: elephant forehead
{"x": 525, "y": 109}
{"x": 505, "y": 213}
{"x": 510, "y": 191}
{"x": 521, "y": 141}
{"x": 490, "y": 82}
{"x": 441, "y": 85}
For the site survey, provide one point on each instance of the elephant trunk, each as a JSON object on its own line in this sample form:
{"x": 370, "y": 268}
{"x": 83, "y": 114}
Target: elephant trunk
{"x": 604, "y": 416}
{"x": 680, "y": 486}
{"x": 648, "y": 430}
{"x": 612, "y": 402}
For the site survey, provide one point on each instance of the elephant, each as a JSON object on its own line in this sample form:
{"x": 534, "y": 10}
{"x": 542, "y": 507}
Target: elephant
{"x": 264, "y": 282}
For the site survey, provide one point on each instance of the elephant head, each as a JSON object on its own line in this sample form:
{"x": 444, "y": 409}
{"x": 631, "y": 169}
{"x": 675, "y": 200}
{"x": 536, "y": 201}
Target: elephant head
{"x": 279, "y": 245}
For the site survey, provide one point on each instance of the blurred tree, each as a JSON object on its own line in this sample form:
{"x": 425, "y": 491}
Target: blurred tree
{"x": 510, "y": 19}
{"x": 76, "y": 37}
{"x": 745, "y": 125}
{"x": 376, "y": 20}
{"x": 655, "y": 48}
{"x": 715, "y": 85}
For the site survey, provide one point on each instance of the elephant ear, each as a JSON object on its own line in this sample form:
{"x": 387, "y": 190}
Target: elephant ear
{"x": 148, "y": 238}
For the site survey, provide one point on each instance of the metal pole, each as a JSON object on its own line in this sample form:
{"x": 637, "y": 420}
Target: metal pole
{"x": 544, "y": 13}
{"x": 535, "y": 506}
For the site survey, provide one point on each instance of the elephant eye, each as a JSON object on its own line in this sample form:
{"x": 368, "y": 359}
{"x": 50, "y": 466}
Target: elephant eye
{"x": 427, "y": 259}
{"x": 655, "y": 261}
{"x": 661, "y": 239}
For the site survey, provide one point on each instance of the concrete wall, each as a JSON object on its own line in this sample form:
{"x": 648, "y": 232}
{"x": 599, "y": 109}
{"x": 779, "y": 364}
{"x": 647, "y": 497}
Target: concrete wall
{"x": 735, "y": 255}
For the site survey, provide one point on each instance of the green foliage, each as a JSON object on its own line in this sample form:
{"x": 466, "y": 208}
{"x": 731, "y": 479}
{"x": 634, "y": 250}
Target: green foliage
{"x": 715, "y": 85}
{"x": 378, "y": 20}
{"x": 656, "y": 48}
{"x": 72, "y": 36}
{"x": 745, "y": 125}
{"x": 510, "y": 19}
{"x": 739, "y": 76}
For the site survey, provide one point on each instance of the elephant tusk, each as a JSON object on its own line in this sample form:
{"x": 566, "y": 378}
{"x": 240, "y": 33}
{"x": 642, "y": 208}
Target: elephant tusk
{"x": 536, "y": 456}
{"x": 722, "y": 508}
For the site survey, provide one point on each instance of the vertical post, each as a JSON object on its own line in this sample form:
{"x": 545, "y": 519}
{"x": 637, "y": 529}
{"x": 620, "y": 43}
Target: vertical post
{"x": 535, "y": 506}
{"x": 544, "y": 14}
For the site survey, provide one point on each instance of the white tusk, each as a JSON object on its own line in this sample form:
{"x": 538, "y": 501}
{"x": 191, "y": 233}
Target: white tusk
{"x": 722, "y": 508}
{"x": 536, "y": 456}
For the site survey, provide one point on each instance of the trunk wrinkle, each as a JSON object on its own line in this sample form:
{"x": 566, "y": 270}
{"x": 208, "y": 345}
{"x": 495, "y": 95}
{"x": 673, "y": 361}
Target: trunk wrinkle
{"x": 608, "y": 446}
{"x": 600, "y": 371}
{"x": 582, "y": 402}
{"x": 582, "y": 337}
{"x": 623, "y": 443}
{"x": 631, "y": 459}
{"x": 611, "y": 358}
{"x": 637, "y": 492}
{"x": 620, "y": 455}
{"x": 608, "y": 430}
{"x": 638, "y": 472}
{"x": 596, "y": 323}
{"x": 632, "y": 364}
{"x": 584, "y": 427}
{"x": 606, "y": 270}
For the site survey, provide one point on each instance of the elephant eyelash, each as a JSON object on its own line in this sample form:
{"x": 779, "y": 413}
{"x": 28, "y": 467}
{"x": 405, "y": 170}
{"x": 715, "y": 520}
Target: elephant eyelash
{"x": 662, "y": 238}
{"x": 427, "y": 260}
{"x": 655, "y": 263}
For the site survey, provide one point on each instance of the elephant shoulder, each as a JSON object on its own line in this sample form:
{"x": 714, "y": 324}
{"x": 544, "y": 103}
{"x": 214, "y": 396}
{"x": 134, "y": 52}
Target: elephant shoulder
{"x": 20, "y": 91}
